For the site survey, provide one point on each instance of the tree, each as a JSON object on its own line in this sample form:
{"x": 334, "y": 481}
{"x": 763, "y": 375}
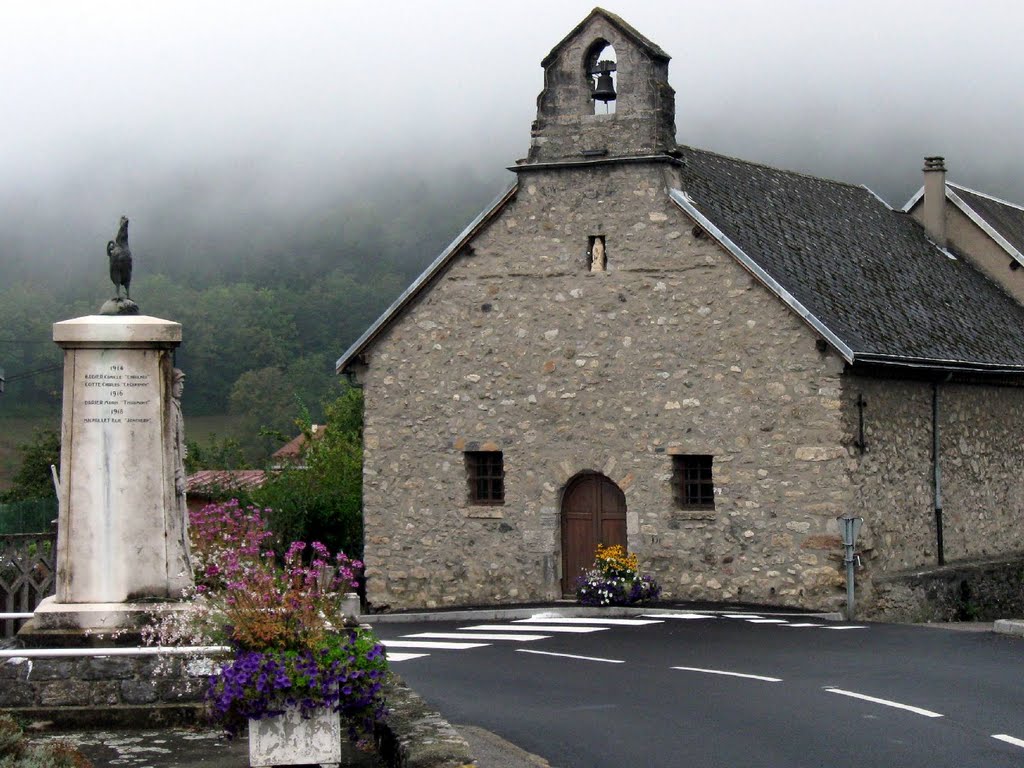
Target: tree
{"x": 33, "y": 479}
{"x": 216, "y": 453}
{"x": 321, "y": 498}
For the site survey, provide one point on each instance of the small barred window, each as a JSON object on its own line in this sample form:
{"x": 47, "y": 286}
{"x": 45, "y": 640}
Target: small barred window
{"x": 693, "y": 484}
{"x": 485, "y": 472}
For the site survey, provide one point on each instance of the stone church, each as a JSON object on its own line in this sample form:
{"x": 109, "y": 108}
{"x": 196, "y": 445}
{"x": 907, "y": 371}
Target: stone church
{"x": 706, "y": 359}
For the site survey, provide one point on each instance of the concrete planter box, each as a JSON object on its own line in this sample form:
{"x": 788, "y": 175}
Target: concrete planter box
{"x": 288, "y": 739}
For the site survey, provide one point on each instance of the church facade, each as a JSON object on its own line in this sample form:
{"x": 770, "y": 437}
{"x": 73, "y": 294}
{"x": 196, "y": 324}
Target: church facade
{"x": 705, "y": 359}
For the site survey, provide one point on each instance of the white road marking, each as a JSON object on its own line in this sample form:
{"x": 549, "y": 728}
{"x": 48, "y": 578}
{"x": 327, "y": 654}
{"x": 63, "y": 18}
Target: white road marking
{"x": 678, "y": 616}
{"x": 767, "y": 621}
{"x": 885, "y": 702}
{"x": 520, "y": 638}
{"x": 532, "y": 628}
{"x": 1008, "y": 739}
{"x": 560, "y": 620}
{"x": 397, "y": 656}
{"x": 848, "y": 626}
{"x": 570, "y": 656}
{"x": 730, "y": 674}
{"x": 806, "y": 624}
{"x": 430, "y": 644}
{"x": 741, "y": 616}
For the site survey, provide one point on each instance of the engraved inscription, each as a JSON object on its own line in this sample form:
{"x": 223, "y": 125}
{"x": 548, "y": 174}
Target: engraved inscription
{"x": 115, "y": 396}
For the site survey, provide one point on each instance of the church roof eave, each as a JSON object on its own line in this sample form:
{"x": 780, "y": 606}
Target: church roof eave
{"x": 424, "y": 280}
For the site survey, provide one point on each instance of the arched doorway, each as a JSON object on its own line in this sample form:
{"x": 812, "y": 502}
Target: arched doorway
{"x": 593, "y": 512}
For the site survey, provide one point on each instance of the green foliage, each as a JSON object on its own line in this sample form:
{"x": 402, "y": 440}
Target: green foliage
{"x": 16, "y": 752}
{"x": 30, "y": 516}
{"x": 320, "y": 498}
{"x": 33, "y": 479}
{"x": 31, "y": 361}
{"x": 216, "y": 453}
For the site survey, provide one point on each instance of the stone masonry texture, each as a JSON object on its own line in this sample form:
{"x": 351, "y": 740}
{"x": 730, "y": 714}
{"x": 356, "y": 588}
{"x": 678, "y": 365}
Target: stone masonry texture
{"x": 673, "y": 350}
{"x": 516, "y": 346}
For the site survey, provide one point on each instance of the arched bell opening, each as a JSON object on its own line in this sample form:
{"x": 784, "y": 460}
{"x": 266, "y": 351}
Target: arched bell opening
{"x": 601, "y": 72}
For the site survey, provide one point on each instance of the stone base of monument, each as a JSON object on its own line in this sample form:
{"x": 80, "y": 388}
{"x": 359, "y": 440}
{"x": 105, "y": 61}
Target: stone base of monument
{"x": 89, "y": 625}
{"x": 119, "y": 306}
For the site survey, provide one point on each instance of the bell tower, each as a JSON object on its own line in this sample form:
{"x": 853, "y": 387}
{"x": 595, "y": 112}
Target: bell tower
{"x": 606, "y": 95}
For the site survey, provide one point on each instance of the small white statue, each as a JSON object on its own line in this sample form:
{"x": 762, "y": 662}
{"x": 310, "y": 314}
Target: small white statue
{"x": 597, "y": 255}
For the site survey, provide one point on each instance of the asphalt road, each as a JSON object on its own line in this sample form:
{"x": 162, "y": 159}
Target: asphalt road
{"x": 829, "y": 694}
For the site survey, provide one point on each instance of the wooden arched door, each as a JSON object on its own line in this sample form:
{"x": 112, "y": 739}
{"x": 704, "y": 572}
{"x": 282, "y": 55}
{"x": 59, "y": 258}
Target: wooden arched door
{"x": 593, "y": 512}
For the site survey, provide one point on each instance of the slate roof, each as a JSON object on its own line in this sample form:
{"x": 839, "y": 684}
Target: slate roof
{"x": 863, "y": 272}
{"x": 1005, "y": 218}
{"x": 865, "y": 276}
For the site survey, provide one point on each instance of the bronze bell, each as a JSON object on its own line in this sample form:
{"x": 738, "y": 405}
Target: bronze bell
{"x": 605, "y": 89}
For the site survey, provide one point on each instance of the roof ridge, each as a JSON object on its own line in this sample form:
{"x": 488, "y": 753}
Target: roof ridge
{"x": 786, "y": 171}
{"x": 986, "y": 195}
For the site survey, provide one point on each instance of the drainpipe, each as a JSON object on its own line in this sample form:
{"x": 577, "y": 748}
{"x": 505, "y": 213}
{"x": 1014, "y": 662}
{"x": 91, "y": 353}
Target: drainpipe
{"x": 937, "y": 471}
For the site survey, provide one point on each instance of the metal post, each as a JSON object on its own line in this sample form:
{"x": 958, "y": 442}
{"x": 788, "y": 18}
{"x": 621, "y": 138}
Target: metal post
{"x": 849, "y": 527}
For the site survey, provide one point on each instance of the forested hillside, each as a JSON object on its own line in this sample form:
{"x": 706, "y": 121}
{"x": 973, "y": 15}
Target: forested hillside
{"x": 265, "y": 313}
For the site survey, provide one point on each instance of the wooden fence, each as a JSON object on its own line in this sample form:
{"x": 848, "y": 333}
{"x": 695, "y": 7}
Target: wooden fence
{"x": 27, "y": 569}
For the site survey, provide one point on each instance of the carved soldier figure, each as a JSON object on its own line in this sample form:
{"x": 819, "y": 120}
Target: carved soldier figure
{"x": 179, "y": 451}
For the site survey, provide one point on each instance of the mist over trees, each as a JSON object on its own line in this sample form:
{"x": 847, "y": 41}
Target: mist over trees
{"x": 267, "y": 302}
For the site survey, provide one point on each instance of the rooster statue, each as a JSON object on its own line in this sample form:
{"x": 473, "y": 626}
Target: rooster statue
{"x": 120, "y": 260}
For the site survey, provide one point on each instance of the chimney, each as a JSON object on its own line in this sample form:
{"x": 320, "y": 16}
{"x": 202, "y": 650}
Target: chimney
{"x": 933, "y": 211}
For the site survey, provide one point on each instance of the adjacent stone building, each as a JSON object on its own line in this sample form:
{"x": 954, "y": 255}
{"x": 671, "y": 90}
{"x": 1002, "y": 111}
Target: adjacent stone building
{"x": 706, "y": 359}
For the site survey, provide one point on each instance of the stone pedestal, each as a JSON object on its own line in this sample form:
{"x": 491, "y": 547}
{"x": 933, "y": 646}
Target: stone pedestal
{"x": 121, "y": 535}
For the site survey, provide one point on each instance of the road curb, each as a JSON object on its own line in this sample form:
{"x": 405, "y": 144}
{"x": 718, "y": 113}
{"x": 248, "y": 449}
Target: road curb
{"x": 567, "y": 611}
{"x": 1009, "y": 627}
{"x": 416, "y": 736}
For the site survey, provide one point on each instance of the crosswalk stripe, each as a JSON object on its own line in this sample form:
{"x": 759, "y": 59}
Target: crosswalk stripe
{"x": 846, "y": 626}
{"x": 560, "y": 620}
{"x": 398, "y": 656}
{"x": 767, "y": 621}
{"x": 805, "y": 624}
{"x": 883, "y": 702}
{"x": 430, "y": 644}
{"x": 533, "y": 628}
{"x": 518, "y": 638}
{"x": 571, "y": 656}
{"x": 741, "y": 616}
{"x": 678, "y": 616}
{"x": 1008, "y": 739}
{"x": 730, "y": 674}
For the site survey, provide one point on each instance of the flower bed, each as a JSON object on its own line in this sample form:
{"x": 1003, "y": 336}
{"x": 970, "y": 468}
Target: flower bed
{"x": 615, "y": 579}
{"x": 284, "y": 621}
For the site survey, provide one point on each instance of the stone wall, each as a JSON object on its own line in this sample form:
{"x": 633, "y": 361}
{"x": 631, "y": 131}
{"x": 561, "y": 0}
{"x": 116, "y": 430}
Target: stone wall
{"x": 979, "y": 592}
{"x": 674, "y": 350}
{"x": 132, "y": 691}
{"x": 981, "y": 459}
{"x": 569, "y": 122}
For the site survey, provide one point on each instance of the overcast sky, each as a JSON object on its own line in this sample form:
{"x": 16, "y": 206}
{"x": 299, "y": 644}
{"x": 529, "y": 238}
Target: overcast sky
{"x": 223, "y": 109}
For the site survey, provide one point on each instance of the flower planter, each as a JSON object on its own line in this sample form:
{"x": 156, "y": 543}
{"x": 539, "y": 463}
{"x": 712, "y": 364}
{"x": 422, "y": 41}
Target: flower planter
{"x": 288, "y": 739}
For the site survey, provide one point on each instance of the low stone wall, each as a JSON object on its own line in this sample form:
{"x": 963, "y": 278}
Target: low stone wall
{"x": 104, "y": 691}
{"x": 984, "y": 591}
{"x": 152, "y": 691}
